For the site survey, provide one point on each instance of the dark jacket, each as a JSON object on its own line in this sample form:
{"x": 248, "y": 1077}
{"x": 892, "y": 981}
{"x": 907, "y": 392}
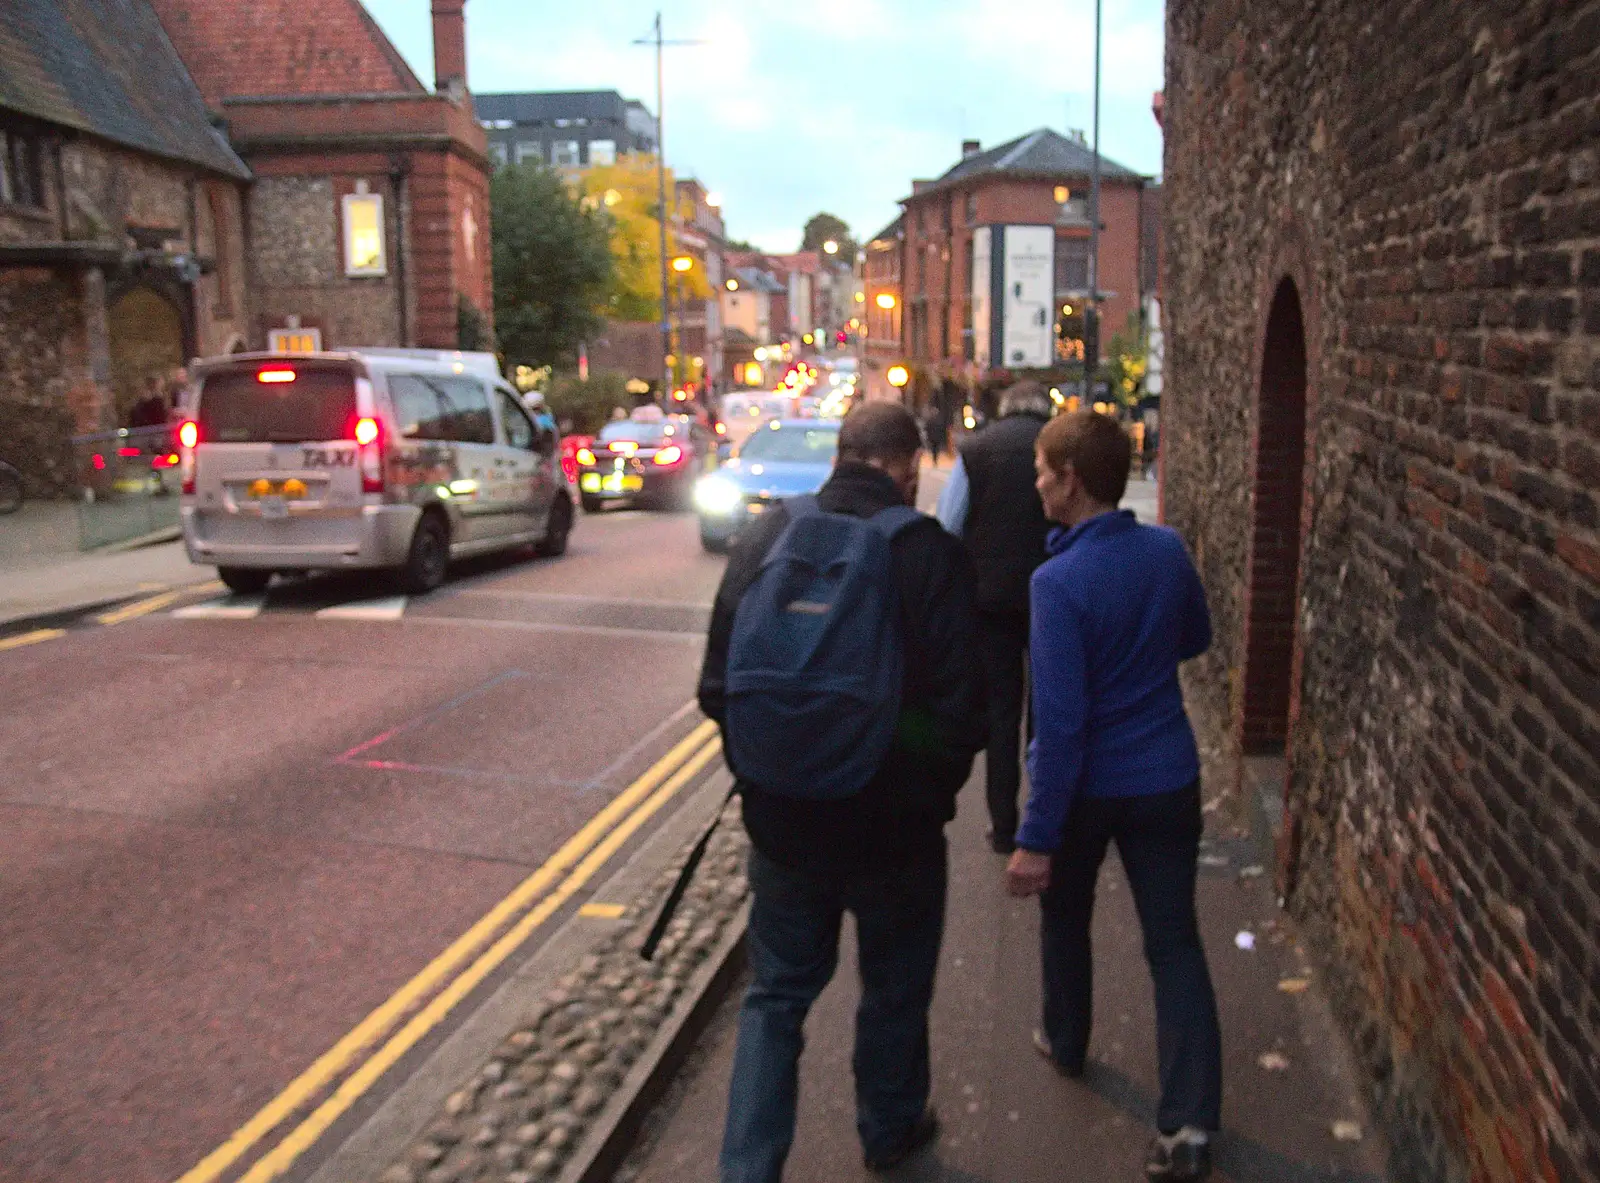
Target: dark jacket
{"x": 1006, "y": 529}
{"x": 901, "y": 814}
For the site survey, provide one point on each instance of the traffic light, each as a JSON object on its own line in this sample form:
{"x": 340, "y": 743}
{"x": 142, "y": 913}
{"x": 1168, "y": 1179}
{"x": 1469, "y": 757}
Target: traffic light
{"x": 840, "y": 337}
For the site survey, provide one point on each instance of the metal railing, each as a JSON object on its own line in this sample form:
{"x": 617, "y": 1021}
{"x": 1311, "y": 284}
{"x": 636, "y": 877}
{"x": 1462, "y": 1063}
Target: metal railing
{"x": 128, "y": 484}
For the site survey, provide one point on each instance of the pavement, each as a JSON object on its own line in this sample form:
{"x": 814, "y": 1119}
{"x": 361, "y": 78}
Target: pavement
{"x": 45, "y": 576}
{"x": 1292, "y": 1111}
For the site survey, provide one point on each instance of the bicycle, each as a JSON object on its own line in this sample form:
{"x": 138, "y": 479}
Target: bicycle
{"x": 10, "y": 489}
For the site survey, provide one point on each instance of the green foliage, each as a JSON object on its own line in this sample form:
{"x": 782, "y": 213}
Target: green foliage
{"x": 825, "y": 227}
{"x": 1126, "y": 356}
{"x": 472, "y": 327}
{"x": 552, "y": 266}
{"x": 587, "y": 404}
{"x": 739, "y": 244}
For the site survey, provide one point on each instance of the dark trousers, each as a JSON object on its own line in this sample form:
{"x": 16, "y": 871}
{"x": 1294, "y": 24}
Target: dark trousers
{"x": 1003, "y": 638}
{"x": 1158, "y": 839}
{"x": 793, "y": 945}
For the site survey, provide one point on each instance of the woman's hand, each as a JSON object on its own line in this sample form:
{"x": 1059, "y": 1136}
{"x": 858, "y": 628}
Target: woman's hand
{"x": 1028, "y": 873}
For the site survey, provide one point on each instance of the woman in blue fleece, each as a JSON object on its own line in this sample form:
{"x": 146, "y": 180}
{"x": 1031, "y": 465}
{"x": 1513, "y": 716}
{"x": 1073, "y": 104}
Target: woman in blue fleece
{"x": 1114, "y": 610}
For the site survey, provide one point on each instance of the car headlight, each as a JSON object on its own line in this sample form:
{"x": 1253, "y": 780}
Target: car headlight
{"x": 717, "y": 495}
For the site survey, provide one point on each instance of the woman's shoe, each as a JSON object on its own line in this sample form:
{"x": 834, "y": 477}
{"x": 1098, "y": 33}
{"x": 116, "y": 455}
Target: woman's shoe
{"x": 1041, "y": 1044}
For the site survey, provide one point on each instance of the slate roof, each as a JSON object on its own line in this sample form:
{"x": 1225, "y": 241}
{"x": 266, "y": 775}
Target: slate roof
{"x": 259, "y": 48}
{"x": 758, "y": 280}
{"x": 888, "y": 233}
{"x": 1039, "y": 153}
{"x": 106, "y": 67}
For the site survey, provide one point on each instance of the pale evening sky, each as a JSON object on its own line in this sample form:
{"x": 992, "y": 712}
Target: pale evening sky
{"x": 834, "y": 105}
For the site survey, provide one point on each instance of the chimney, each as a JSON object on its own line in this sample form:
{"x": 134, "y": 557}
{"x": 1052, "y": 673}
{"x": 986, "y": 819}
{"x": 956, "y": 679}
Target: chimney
{"x": 970, "y": 148}
{"x": 450, "y": 48}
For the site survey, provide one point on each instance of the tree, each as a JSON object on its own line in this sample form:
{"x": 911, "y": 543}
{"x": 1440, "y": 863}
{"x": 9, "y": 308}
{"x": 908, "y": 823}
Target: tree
{"x": 552, "y": 266}
{"x": 827, "y": 227}
{"x": 625, "y": 194}
{"x": 1123, "y": 368}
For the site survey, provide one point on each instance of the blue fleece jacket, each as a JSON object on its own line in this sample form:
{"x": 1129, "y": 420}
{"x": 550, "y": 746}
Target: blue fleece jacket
{"x": 1114, "y": 610}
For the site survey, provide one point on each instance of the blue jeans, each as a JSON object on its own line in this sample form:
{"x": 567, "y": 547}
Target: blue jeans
{"x": 793, "y": 945}
{"x": 1158, "y": 839}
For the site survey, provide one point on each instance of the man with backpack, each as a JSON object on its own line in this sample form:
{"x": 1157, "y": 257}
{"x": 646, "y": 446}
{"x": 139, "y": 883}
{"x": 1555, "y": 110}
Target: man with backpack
{"x": 842, "y": 665}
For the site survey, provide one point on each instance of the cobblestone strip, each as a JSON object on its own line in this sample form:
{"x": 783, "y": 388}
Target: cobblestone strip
{"x": 522, "y": 1116}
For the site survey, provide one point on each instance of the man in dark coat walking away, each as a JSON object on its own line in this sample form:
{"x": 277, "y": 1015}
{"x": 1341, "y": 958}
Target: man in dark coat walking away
{"x": 991, "y": 504}
{"x": 878, "y": 852}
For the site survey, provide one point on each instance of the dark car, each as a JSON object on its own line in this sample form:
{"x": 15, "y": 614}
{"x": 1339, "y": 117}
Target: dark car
{"x": 644, "y": 460}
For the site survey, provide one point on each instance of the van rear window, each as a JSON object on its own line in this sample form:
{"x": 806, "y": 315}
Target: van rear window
{"x": 237, "y": 407}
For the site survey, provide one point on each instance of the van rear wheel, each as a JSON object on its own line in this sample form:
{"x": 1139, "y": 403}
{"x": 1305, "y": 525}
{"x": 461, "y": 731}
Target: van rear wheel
{"x": 244, "y": 581}
{"x": 557, "y": 530}
{"x": 429, "y": 558}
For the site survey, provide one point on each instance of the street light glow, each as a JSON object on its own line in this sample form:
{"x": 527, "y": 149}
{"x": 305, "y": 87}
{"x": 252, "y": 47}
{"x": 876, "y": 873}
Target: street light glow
{"x": 886, "y": 300}
{"x": 714, "y": 200}
{"x": 682, "y": 263}
{"x": 732, "y": 285}
{"x": 898, "y": 376}
{"x": 830, "y": 247}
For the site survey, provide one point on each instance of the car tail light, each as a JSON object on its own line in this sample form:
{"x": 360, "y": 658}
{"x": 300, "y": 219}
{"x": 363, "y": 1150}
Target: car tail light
{"x": 368, "y": 435}
{"x": 586, "y": 457}
{"x": 272, "y": 376}
{"x": 671, "y": 454}
{"x": 188, "y": 437}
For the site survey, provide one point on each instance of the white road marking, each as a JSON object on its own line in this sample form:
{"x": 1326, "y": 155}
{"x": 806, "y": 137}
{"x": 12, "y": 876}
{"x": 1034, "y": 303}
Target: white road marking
{"x": 383, "y": 608}
{"x": 227, "y": 608}
{"x": 568, "y": 598}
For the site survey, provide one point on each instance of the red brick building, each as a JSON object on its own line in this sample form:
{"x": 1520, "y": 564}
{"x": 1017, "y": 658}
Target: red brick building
{"x": 368, "y": 220}
{"x": 1037, "y": 180}
{"x": 1381, "y": 439}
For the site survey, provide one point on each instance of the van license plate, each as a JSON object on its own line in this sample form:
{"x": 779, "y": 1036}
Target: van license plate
{"x": 274, "y": 507}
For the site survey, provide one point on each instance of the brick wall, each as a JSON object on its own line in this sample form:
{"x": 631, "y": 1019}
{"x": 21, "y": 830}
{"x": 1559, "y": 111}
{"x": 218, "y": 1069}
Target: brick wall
{"x": 1416, "y": 610}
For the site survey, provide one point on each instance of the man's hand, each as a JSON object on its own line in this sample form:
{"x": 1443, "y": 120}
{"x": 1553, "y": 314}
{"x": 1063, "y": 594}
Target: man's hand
{"x": 1028, "y": 873}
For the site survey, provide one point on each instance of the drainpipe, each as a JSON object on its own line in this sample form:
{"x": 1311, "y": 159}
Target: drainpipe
{"x": 398, "y": 174}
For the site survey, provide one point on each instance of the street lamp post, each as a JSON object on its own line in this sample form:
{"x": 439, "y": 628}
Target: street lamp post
{"x": 681, "y": 266}
{"x": 1091, "y": 310}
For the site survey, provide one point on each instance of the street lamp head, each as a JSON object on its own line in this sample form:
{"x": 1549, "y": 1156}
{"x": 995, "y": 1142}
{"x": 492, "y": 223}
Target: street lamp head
{"x": 898, "y": 376}
{"x": 886, "y": 300}
{"x": 830, "y": 247}
{"x": 732, "y": 285}
{"x": 682, "y": 263}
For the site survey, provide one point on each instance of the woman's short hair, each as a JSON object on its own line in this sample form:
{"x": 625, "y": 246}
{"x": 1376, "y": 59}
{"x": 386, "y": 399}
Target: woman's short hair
{"x": 1097, "y": 448}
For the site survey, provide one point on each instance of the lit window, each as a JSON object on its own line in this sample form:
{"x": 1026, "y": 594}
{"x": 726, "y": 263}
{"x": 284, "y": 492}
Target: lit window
{"x": 363, "y": 235}
{"x": 602, "y": 151}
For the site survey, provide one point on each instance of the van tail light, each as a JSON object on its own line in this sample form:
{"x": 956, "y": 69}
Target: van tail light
{"x": 188, "y": 437}
{"x": 669, "y": 455}
{"x": 368, "y": 435}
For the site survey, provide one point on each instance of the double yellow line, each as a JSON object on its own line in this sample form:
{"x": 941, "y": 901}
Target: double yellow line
{"x": 445, "y": 980}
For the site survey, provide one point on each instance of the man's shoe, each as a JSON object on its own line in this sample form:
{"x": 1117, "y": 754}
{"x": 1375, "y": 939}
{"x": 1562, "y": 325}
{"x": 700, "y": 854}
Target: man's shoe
{"x": 1041, "y": 1044}
{"x": 1183, "y": 1157}
{"x": 919, "y": 1135}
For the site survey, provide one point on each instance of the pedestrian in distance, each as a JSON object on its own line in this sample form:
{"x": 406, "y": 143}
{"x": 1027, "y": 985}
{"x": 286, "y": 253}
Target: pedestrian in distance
{"x": 990, "y": 503}
{"x": 1115, "y": 609}
{"x": 841, "y": 666}
{"x": 937, "y": 431}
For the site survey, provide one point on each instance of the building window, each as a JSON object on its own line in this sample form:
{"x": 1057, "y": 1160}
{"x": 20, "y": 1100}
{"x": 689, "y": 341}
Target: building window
{"x": 1072, "y": 265}
{"x": 498, "y": 152}
{"x": 21, "y": 173}
{"x": 564, "y": 153}
{"x": 972, "y": 209}
{"x": 529, "y": 150}
{"x": 602, "y": 151}
{"x": 363, "y": 235}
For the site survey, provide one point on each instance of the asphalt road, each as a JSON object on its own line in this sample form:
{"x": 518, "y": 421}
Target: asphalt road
{"x": 229, "y": 831}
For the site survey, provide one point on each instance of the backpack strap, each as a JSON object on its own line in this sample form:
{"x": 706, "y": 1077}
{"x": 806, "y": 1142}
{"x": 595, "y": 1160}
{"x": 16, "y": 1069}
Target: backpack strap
{"x": 895, "y": 518}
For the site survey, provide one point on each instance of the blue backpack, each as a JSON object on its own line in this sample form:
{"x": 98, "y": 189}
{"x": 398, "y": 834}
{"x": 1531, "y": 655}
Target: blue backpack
{"x": 814, "y": 663}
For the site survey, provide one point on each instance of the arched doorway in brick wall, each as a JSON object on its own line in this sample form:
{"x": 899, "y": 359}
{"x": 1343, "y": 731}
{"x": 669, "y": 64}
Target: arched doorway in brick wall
{"x": 1274, "y": 567}
{"x": 147, "y": 346}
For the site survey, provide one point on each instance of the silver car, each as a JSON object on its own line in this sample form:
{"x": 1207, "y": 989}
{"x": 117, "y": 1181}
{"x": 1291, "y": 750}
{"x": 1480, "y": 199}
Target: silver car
{"x": 400, "y": 460}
